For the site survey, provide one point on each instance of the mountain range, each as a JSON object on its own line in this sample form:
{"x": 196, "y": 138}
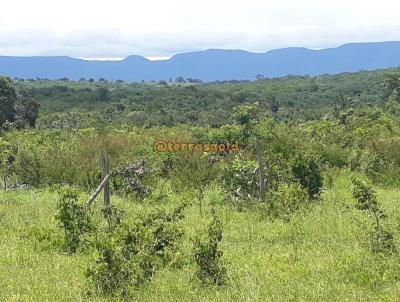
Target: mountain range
{"x": 212, "y": 64}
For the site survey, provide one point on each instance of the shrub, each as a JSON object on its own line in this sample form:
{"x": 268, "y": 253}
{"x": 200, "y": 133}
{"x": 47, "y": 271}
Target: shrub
{"x": 241, "y": 178}
{"x": 28, "y": 167}
{"x": 214, "y": 195}
{"x": 372, "y": 165}
{"x": 122, "y": 263}
{"x": 74, "y": 218}
{"x": 194, "y": 170}
{"x": 129, "y": 255}
{"x": 206, "y": 254}
{"x": 286, "y": 200}
{"x": 165, "y": 232}
{"x": 307, "y": 172}
{"x": 130, "y": 179}
{"x": 113, "y": 215}
{"x": 366, "y": 201}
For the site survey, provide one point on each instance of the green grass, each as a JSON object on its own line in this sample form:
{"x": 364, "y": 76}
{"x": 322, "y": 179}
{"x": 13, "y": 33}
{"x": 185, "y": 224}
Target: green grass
{"x": 322, "y": 254}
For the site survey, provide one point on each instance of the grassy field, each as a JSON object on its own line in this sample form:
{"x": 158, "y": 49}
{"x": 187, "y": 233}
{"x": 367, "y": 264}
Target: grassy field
{"x": 321, "y": 254}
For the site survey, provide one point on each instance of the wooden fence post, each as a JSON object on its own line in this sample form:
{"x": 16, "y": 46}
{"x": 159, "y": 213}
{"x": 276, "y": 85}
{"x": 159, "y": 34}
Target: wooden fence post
{"x": 260, "y": 168}
{"x": 104, "y": 185}
{"x": 104, "y": 162}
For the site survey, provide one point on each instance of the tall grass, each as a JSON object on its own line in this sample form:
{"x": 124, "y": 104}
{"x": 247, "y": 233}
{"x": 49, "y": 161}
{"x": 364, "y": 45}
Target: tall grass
{"x": 320, "y": 254}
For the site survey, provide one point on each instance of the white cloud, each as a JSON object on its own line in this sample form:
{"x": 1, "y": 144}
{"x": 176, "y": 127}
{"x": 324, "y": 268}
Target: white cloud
{"x": 162, "y": 28}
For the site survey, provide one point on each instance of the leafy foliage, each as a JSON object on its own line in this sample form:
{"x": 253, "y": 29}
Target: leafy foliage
{"x": 130, "y": 179}
{"x": 129, "y": 255}
{"x": 307, "y": 172}
{"x": 16, "y": 110}
{"x": 287, "y": 200}
{"x": 8, "y": 97}
{"x": 366, "y": 201}
{"x": 241, "y": 178}
{"x": 207, "y": 256}
{"x": 74, "y": 218}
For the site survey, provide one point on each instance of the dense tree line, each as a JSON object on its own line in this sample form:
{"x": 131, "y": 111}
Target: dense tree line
{"x": 298, "y": 98}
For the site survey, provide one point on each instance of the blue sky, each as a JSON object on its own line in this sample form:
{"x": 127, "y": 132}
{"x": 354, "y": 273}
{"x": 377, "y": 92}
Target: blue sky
{"x": 118, "y": 28}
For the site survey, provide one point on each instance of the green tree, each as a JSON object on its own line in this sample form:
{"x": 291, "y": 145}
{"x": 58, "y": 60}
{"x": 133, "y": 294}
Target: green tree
{"x": 8, "y": 97}
{"x": 246, "y": 114}
{"x": 6, "y": 160}
{"x": 274, "y": 105}
{"x": 392, "y": 82}
{"x": 26, "y": 110}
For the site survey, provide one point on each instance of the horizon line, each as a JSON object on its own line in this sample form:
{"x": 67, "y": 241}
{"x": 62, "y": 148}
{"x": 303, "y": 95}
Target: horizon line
{"x": 166, "y": 58}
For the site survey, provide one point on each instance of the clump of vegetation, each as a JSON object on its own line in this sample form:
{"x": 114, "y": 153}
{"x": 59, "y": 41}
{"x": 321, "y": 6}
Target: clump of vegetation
{"x": 287, "y": 200}
{"x": 74, "y": 218}
{"x": 307, "y": 172}
{"x": 130, "y": 179}
{"x": 122, "y": 264}
{"x": 207, "y": 256}
{"x": 241, "y": 178}
{"x": 113, "y": 215}
{"x": 18, "y": 110}
{"x": 129, "y": 255}
{"x": 7, "y": 158}
{"x": 366, "y": 201}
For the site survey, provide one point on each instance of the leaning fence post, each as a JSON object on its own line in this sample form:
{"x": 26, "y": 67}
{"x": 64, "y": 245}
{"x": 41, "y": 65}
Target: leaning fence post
{"x": 104, "y": 185}
{"x": 97, "y": 192}
{"x": 104, "y": 162}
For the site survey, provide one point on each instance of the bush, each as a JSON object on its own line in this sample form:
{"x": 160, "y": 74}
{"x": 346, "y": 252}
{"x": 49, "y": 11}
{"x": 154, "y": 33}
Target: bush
{"x": 380, "y": 169}
{"x": 372, "y": 165}
{"x": 122, "y": 264}
{"x": 307, "y": 172}
{"x": 131, "y": 179}
{"x": 28, "y": 167}
{"x": 206, "y": 254}
{"x": 74, "y": 218}
{"x": 286, "y": 200}
{"x": 129, "y": 255}
{"x": 366, "y": 201}
{"x": 241, "y": 178}
{"x": 165, "y": 233}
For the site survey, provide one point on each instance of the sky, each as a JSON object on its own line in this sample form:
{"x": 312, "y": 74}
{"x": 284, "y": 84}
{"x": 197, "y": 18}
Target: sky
{"x": 159, "y": 29}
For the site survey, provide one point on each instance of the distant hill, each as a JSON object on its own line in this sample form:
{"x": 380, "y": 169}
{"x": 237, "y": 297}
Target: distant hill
{"x": 212, "y": 64}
